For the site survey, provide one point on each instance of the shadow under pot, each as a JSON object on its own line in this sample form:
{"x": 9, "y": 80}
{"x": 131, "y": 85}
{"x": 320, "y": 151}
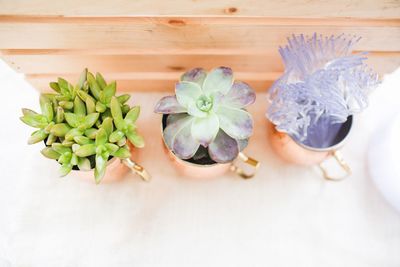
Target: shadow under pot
{"x": 322, "y": 142}
{"x": 115, "y": 170}
{"x": 203, "y": 167}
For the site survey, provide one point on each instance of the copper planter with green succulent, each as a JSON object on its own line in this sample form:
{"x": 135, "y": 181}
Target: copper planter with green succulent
{"x": 205, "y": 124}
{"x": 87, "y": 128}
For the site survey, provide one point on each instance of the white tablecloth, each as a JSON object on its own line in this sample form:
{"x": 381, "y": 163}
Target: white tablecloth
{"x": 285, "y": 216}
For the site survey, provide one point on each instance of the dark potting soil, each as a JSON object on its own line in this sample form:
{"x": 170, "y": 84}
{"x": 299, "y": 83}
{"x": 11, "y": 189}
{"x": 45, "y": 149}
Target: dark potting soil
{"x": 201, "y": 157}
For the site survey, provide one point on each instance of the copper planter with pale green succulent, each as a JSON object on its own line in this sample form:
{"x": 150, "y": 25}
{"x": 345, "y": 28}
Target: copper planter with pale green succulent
{"x": 85, "y": 126}
{"x": 206, "y": 124}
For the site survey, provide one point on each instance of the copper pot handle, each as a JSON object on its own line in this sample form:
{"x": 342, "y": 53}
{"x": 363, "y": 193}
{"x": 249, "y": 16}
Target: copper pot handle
{"x": 342, "y": 163}
{"x": 248, "y": 160}
{"x": 136, "y": 168}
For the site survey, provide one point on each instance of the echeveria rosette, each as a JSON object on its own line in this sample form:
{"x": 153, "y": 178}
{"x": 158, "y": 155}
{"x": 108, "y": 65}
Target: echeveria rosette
{"x": 208, "y": 109}
{"x": 323, "y": 82}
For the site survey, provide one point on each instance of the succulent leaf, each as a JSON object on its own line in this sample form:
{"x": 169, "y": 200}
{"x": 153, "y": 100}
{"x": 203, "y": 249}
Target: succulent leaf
{"x": 132, "y": 115}
{"x": 86, "y": 150}
{"x": 237, "y": 123}
{"x": 60, "y": 129}
{"x": 100, "y": 168}
{"x": 71, "y": 134}
{"x": 100, "y": 81}
{"x": 50, "y": 153}
{"x": 73, "y": 119}
{"x": 59, "y": 115}
{"x": 239, "y": 96}
{"x": 108, "y": 125}
{"x": 37, "y": 136}
{"x": 35, "y": 120}
{"x": 224, "y": 148}
{"x": 82, "y": 140}
{"x": 51, "y": 139}
{"x": 111, "y": 148}
{"x": 204, "y": 130}
{"x": 122, "y": 99}
{"x": 117, "y": 114}
{"x": 91, "y": 133}
{"x": 108, "y": 92}
{"x": 187, "y": 93}
{"x": 100, "y": 107}
{"x": 66, "y": 104}
{"x": 122, "y": 153}
{"x": 60, "y": 148}
{"x": 169, "y": 105}
{"x": 65, "y": 169}
{"x": 84, "y": 164}
{"x": 55, "y": 87}
{"x": 94, "y": 88}
{"x": 135, "y": 138}
{"x": 218, "y": 80}
{"x": 89, "y": 121}
{"x": 101, "y": 137}
{"x": 79, "y": 107}
{"x": 196, "y": 75}
{"x": 116, "y": 136}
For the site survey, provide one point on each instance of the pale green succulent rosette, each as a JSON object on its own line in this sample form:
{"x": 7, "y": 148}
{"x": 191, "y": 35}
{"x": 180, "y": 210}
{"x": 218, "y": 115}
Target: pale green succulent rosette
{"x": 208, "y": 109}
{"x": 83, "y": 126}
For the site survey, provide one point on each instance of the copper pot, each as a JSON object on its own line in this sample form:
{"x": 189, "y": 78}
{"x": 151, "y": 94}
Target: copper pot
{"x": 116, "y": 169}
{"x": 206, "y": 171}
{"x": 295, "y": 152}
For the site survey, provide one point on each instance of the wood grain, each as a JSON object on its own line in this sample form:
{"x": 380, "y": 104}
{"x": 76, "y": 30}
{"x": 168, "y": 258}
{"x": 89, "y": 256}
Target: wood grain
{"x": 265, "y": 8}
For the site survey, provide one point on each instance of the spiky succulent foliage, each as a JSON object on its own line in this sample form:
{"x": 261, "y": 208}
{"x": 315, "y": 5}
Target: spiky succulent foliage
{"x": 207, "y": 111}
{"x": 83, "y": 126}
{"x": 323, "y": 84}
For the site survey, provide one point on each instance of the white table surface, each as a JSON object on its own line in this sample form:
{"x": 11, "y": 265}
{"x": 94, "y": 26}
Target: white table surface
{"x": 285, "y": 216}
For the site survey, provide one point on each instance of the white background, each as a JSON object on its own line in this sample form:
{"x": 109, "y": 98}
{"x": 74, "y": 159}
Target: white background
{"x": 285, "y": 216}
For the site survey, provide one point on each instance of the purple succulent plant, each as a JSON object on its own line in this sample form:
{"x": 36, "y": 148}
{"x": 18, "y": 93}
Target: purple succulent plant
{"x": 208, "y": 110}
{"x": 323, "y": 80}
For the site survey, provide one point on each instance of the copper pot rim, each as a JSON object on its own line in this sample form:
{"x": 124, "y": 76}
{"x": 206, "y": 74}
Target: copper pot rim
{"x": 325, "y": 149}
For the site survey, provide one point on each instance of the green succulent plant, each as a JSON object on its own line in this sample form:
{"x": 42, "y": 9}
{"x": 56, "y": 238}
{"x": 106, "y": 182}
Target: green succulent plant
{"x": 85, "y": 125}
{"x": 208, "y": 112}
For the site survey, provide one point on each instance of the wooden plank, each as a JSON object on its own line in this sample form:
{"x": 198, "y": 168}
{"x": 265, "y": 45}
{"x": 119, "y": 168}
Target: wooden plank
{"x": 51, "y": 64}
{"x": 151, "y": 82}
{"x": 269, "y": 8}
{"x": 152, "y": 36}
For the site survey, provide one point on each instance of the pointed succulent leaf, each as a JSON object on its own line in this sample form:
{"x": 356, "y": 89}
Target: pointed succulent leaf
{"x": 82, "y": 140}
{"x": 116, "y": 136}
{"x": 60, "y": 129}
{"x": 66, "y": 104}
{"x": 75, "y": 147}
{"x": 132, "y": 115}
{"x": 65, "y": 158}
{"x": 84, "y": 164}
{"x": 111, "y": 148}
{"x": 79, "y": 107}
{"x": 27, "y": 111}
{"x": 35, "y": 120}
{"x": 196, "y": 75}
{"x": 175, "y": 123}
{"x": 86, "y": 150}
{"x": 236, "y": 123}
{"x": 135, "y": 139}
{"x": 122, "y": 99}
{"x": 71, "y": 134}
{"x": 46, "y": 106}
{"x": 187, "y": 93}
{"x": 59, "y": 115}
{"x": 73, "y": 119}
{"x": 122, "y": 153}
{"x": 224, "y": 148}
{"x": 89, "y": 121}
{"x": 67, "y": 143}
{"x": 50, "y": 139}
{"x": 100, "y": 81}
{"x": 90, "y": 105}
{"x": 100, "y": 168}
{"x": 101, "y": 137}
{"x": 106, "y": 114}
{"x": 93, "y": 86}
{"x": 91, "y": 133}
{"x": 204, "y": 130}
{"x": 109, "y": 91}
{"x": 82, "y": 95}
{"x": 61, "y": 98}
{"x": 60, "y": 148}
{"x": 50, "y": 153}
{"x": 117, "y": 113}
{"x": 55, "y": 87}
{"x": 169, "y": 105}
{"x": 37, "y": 136}
{"x": 241, "y": 95}
{"x": 64, "y": 87}
{"x": 122, "y": 141}
{"x": 74, "y": 160}
{"x": 108, "y": 126}
{"x": 218, "y": 80}
{"x": 125, "y": 108}
{"x": 100, "y": 107}
{"x": 65, "y": 169}
{"x": 82, "y": 79}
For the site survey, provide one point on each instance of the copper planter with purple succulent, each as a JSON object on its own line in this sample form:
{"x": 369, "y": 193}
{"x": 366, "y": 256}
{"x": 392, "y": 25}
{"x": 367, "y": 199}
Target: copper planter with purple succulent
{"x": 312, "y": 105}
{"x": 205, "y": 125}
